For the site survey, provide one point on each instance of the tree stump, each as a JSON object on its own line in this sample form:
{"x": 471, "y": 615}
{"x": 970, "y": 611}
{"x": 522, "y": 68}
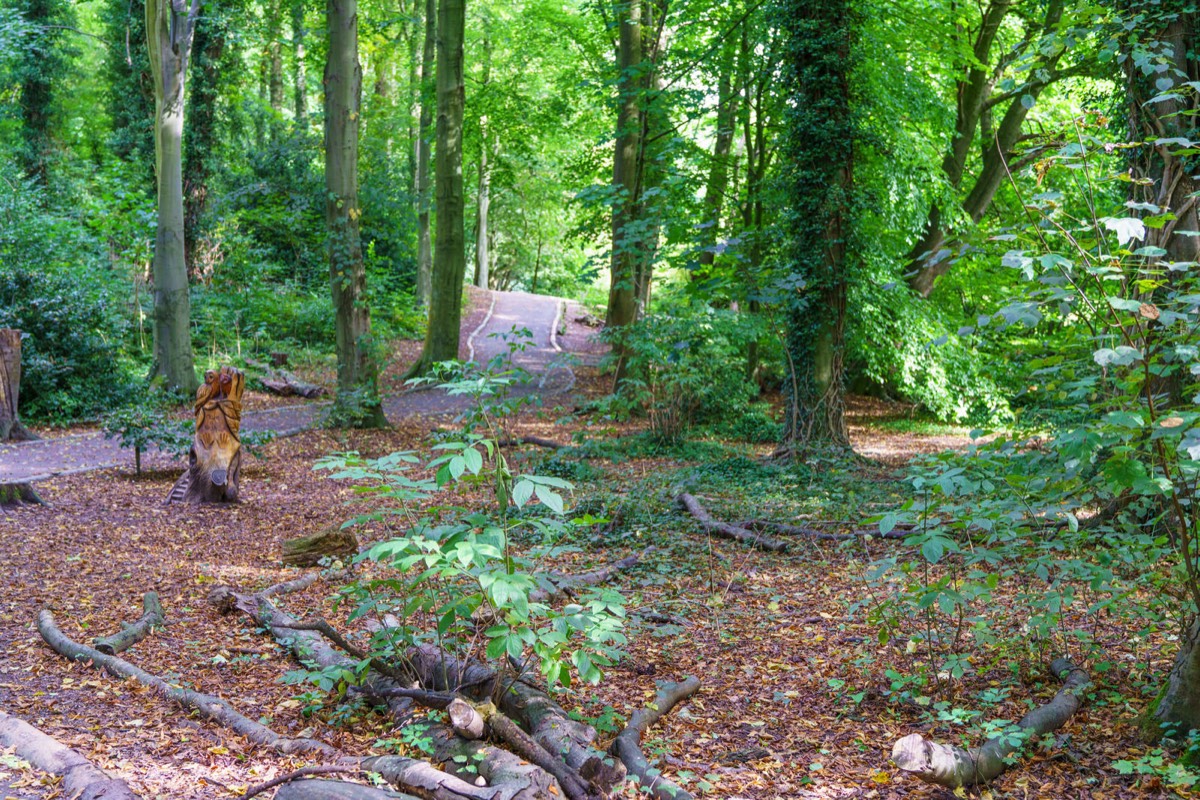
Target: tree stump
{"x": 307, "y": 551}
{"x": 215, "y": 460}
{"x": 15, "y": 494}
{"x": 11, "y": 428}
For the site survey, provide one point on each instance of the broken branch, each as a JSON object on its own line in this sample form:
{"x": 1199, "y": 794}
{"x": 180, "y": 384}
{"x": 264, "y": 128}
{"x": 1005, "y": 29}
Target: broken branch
{"x": 131, "y": 633}
{"x": 628, "y": 744}
{"x": 693, "y": 507}
{"x": 80, "y": 778}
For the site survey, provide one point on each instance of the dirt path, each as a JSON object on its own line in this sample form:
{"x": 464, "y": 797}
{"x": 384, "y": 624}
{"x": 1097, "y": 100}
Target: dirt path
{"x": 545, "y": 357}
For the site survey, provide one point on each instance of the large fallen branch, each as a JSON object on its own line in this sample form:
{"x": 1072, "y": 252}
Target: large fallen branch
{"x": 693, "y": 507}
{"x": 80, "y": 778}
{"x": 628, "y": 744}
{"x": 536, "y": 441}
{"x": 564, "y": 584}
{"x": 312, "y": 789}
{"x": 952, "y": 767}
{"x": 817, "y": 533}
{"x": 133, "y": 632}
{"x": 208, "y": 706}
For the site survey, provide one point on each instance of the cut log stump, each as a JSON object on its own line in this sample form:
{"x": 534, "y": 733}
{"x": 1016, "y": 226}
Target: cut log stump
{"x": 11, "y": 428}
{"x": 307, "y": 551}
{"x": 15, "y": 494}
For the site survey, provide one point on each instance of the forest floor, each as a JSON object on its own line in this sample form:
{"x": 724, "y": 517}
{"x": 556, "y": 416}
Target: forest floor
{"x": 781, "y": 642}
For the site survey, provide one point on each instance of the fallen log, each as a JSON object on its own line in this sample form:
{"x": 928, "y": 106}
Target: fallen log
{"x": 207, "y": 705}
{"x": 285, "y": 384}
{"x": 628, "y": 744}
{"x": 133, "y": 632}
{"x": 80, "y": 778}
{"x": 953, "y": 767}
{"x": 315, "y": 789}
{"x": 817, "y": 533}
{"x": 562, "y": 584}
{"x": 295, "y": 775}
{"x": 537, "y": 441}
{"x": 307, "y": 551}
{"x": 693, "y": 507}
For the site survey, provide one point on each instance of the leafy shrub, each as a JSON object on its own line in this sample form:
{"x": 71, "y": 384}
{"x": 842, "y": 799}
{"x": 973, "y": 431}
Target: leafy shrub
{"x": 144, "y": 426}
{"x": 71, "y": 365}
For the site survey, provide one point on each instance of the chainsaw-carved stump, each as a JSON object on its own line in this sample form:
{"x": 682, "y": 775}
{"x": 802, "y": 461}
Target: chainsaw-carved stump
{"x": 215, "y": 459}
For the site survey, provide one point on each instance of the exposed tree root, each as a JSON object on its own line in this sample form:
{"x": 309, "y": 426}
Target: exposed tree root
{"x": 953, "y": 767}
{"x": 312, "y": 789}
{"x": 628, "y": 744}
{"x": 133, "y": 632}
{"x": 208, "y": 706}
{"x": 817, "y": 533}
{"x": 693, "y": 507}
{"x": 81, "y": 780}
{"x": 295, "y": 775}
{"x": 565, "y": 584}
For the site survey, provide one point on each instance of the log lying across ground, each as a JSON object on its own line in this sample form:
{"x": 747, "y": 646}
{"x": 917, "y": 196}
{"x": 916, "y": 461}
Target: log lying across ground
{"x": 564, "y": 583}
{"x": 628, "y": 744}
{"x": 208, "y": 706}
{"x": 313, "y": 789}
{"x": 80, "y": 778}
{"x": 954, "y": 767}
{"x": 693, "y": 507}
{"x": 133, "y": 632}
{"x": 816, "y": 533}
{"x": 536, "y": 441}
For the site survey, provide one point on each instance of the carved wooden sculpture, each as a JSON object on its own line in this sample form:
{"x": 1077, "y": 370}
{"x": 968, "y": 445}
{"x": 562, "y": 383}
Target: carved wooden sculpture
{"x": 216, "y": 455}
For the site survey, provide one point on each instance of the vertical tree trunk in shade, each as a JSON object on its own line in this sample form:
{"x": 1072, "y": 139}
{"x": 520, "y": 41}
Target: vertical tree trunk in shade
{"x": 300, "y": 85}
{"x": 169, "y": 40}
{"x": 483, "y": 195}
{"x": 11, "y": 428}
{"x": 622, "y": 293}
{"x": 424, "y": 130}
{"x": 449, "y": 258}
{"x": 718, "y": 173}
{"x": 358, "y": 392}
{"x": 274, "y": 56}
{"x": 200, "y": 133}
{"x": 653, "y": 160}
{"x": 818, "y": 52}
{"x": 41, "y": 66}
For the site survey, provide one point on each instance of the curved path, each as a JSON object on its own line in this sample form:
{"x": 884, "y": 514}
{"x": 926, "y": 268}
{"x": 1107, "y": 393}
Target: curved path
{"x": 545, "y": 358}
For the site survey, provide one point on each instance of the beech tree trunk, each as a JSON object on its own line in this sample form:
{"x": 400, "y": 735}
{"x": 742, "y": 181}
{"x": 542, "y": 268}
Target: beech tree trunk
{"x": 169, "y": 39}
{"x": 358, "y": 374}
{"x": 11, "y": 428}
{"x": 718, "y": 175}
{"x": 622, "y": 293}
{"x": 449, "y": 264}
{"x": 300, "y": 85}
{"x": 483, "y": 195}
{"x": 424, "y": 145}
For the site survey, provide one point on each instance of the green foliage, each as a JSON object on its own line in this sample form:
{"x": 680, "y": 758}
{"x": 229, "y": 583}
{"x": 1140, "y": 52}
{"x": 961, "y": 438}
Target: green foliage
{"x": 147, "y": 425}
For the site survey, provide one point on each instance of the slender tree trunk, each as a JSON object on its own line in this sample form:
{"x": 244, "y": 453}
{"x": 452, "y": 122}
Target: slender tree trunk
{"x": 424, "y": 145}
{"x": 622, "y": 294}
{"x": 450, "y": 263}
{"x": 43, "y": 65}
{"x": 275, "y": 62}
{"x": 358, "y": 390}
{"x": 483, "y": 194}
{"x": 169, "y": 38}
{"x": 718, "y": 174}
{"x": 300, "y": 84}
{"x": 819, "y": 52}
{"x": 10, "y": 388}
{"x": 201, "y": 131}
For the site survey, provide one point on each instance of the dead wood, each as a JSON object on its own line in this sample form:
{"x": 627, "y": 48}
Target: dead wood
{"x": 15, "y": 494}
{"x": 80, "y": 778}
{"x": 628, "y": 744}
{"x": 208, "y": 706}
{"x": 693, "y": 507}
{"x": 532, "y": 709}
{"x": 816, "y": 533}
{"x": 307, "y": 551}
{"x": 537, "y": 441}
{"x": 224, "y": 598}
{"x": 295, "y": 775}
{"x": 522, "y": 744}
{"x": 563, "y": 584}
{"x": 953, "y": 767}
{"x": 133, "y": 632}
{"x": 466, "y": 721}
{"x": 215, "y": 458}
{"x": 11, "y": 428}
{"x": 285, "y": 384}
{"x": 315, "y": 789}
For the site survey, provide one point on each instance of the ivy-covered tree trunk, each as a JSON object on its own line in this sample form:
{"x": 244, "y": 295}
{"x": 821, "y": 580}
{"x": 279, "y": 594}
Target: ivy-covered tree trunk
{"x": 622, "y": 292}
{"x": 358, "y": 391}
{"x": 300, "y": 78}
{"x": 449, "y": 258}
{"x": 42, "y": 65}
{"x": 424, "y": 145}
{"x": 818, "y": 49}
{"x": 200, "y": 135}
{"x": 169, "y": 39}
{"x": 130, "y": 94}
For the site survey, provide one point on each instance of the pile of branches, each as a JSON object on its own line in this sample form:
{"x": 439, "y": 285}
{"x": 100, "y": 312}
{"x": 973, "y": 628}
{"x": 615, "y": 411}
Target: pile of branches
{"x": 505, "y": 738}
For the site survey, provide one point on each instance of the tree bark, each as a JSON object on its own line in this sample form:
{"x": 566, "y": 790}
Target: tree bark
{"x": 954, "y": 767}
{"x": 81, "y": 780}
{"x": 718, "y": 173}
{"x": 13, "y": 494}
{"x": 11, "y": 428}
{"x": 628, "y": 744}
{"x": 450, "y": 265}
{"x": 424, "y": 145}
{"x": 701, "y": 515}
{"x": 622, "y": 293}
{"x": 200, "y": 134}
{"x": 169, "y": 38}
{"x": 300, "y": 81}
{"x": 358, "y": 373}
{"x": 316, "y": 789}
{"x": 131, "y": 633}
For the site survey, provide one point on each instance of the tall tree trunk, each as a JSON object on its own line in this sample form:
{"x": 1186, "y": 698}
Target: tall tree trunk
{"x": 169, "y": 39}
{"x": 300, "y": 85}
{"x": 10, "y": 387}
{"x": 819, "y": 51}
{"x": 41, "y": 67}
{"x": 483, "y": 195}
{"x": 718, "y": 173}
{"x": 130, "y": 95}
{"x": 201, "y": 131}
{"x": 622, "y": 293}
{"x": 358, "y": 391}
{"x": 275, "y": 65}
{"x": 450, "y": 262}
{"x": 424, "y": 129}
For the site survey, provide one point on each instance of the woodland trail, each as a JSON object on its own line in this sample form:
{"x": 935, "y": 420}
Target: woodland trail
{"x": 546, "y": 357}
